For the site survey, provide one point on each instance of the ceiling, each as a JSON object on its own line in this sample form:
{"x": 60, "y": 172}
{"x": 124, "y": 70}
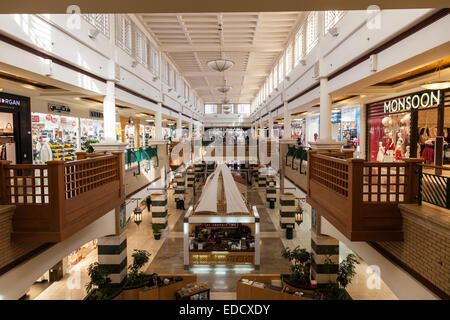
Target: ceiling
{"x": 252, "y": 40}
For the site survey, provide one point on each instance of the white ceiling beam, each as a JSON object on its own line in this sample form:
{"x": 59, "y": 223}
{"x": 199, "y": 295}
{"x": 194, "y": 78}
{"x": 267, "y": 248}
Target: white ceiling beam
{"x": 236, "y": 48}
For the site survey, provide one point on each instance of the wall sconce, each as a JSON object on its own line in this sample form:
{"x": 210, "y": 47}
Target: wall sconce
{"x": 93, "y": 33}
{"x": 134, "y": 63}
{"x": 155, "y": 78}
{"x": 288, "y": 78}
{"x": 303, "y": 62}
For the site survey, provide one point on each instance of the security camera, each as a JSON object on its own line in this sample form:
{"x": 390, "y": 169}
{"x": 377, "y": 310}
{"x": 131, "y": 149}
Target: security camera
{"x": 93, "y": 33}
{"x": 333, "y": 31}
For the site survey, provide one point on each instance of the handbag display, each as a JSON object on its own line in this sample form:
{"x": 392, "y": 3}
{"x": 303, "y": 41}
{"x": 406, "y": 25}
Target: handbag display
{"x": 8, "y": 129}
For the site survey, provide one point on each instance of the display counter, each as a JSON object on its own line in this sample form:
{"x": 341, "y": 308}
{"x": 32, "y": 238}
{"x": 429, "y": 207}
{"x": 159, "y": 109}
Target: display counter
{"x": 270, "y": 287}
{"x": 222, "y": 229}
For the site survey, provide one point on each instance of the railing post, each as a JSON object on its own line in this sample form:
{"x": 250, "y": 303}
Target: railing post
{"x": 419, "y": 195}
{"x": 412, "y": 172}
{"x": 355, "y": 191}
{"x": 121, "y": 167}
{"x": 3, "y": 193}
{"x": 56, "y": 192}
{"x": 308, "y": 169}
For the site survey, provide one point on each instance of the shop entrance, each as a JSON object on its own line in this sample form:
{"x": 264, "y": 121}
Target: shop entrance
{"x": 15, "y": 129}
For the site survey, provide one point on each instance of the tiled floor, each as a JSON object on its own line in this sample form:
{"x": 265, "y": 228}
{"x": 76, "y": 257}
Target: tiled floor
{"x": 167, "y": 256}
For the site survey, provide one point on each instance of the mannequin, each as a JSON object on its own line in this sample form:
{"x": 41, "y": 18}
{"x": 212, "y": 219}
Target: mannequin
{"x": 407, "y": 153}
{"x": 399, "y": 148}
{"x": 46, "y": 152}
{"x": 390, "y": 148}
{"x": 380, "y": 155}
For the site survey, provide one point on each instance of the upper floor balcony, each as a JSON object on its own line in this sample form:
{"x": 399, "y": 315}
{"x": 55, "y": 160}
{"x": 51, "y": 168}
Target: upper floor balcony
{"x": 361, "y": 198}
{"x": 55, "y": 200}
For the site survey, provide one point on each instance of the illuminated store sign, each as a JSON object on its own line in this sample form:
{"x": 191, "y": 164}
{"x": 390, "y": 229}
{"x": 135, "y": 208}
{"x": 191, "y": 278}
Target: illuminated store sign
{"x": 10, "y": 102}
{"x": 415, "y": 101}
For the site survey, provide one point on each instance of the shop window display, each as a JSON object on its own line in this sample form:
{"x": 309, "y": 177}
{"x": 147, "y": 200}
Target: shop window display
{"x": 389, "y": 137}
{"x": 407, "y": 126}
{"x": 7, "y": 140}
{"x": 130, "y": 135}
{"x": 55, "y": 137}
{"x": 91, "y": 130}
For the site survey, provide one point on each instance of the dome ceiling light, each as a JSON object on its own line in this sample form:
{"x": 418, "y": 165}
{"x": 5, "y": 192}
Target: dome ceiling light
{"x": 439, "y": 84}
{"x": 223, "y": 89}
{"x": 220, "y": 64}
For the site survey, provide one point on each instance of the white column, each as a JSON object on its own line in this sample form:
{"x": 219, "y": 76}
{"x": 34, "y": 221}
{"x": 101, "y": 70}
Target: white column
{"x": 325, "y": 111}
{"x": 260, "y": 123}
{"x": 158, "y": 123}
{"x": 270, "y": 125}
{"x": 109, "y": 112}
{"x": 179, "y": 129}
{"x": 190, "y": 130}
{"x": 287, "y": 120}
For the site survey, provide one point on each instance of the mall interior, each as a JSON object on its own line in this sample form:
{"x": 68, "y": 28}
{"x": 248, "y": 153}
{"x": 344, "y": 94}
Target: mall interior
{"x": 275, "y": 155}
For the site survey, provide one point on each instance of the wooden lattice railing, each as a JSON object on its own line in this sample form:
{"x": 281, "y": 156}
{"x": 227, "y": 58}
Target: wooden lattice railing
{"x": 56, "y": 199}
{"x": 361, "y": 198}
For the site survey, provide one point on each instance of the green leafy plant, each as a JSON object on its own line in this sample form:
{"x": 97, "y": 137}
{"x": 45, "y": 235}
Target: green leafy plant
{"x": 347, "y": 270}
{"x": 301, "y": 263}
{"x": 86, "y": 146}
{"x": 100, "y": 281}
{"x": 135, "y": 276}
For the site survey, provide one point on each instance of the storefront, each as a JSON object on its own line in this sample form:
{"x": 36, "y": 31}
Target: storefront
{"x": 345, "y": 126}
{"x": 55, "y": 137}
{"x": 15, "y": 128}
{"x": 407, "y": 126}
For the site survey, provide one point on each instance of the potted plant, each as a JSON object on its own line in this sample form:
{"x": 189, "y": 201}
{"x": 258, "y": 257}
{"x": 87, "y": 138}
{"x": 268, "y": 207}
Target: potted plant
{"x": 347, "y": 270}
{"x": 99, "y": 287}
{"x": 157, "y": 231}
{"x": 300, "y": 268}
{"x": 86, "y": 146}
{"x": 137, "y": 278}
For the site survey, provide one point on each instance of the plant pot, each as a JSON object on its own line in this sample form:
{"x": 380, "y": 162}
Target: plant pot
{"x": 157, "y": 236}
{"x": 286, "y": 278}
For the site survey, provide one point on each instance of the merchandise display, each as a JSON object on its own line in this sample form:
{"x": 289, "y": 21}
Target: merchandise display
{"x": 59, "y": 132}
{"x": 91, "y": 129}
{"x": 7, "y": 144}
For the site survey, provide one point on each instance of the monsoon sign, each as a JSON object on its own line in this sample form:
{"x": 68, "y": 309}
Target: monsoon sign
{"x": 413, "y": 101}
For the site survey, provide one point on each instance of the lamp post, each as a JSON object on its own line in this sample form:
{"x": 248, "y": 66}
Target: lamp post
{"x": 137, "y": 212}
{"x": 299, "y": 212}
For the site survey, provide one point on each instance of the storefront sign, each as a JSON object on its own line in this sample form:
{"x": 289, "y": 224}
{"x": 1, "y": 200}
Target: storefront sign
{"x": 95, "y": 114}
{"x": 221, "y": 225}
{"x": 58, "y": 108}
{"x": 415, "y": 101}
{"x": 336, "y": 117}
{"x": 10, "y": 102}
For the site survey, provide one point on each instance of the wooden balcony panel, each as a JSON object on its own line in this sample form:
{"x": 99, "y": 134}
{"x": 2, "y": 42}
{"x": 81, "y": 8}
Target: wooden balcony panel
{"x": 360, "y": 198}
{"x": 56, "y": 200}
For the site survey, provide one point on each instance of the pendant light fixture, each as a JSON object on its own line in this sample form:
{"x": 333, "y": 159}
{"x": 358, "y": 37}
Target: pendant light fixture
{"x": 220, "y": 65}
{"x": 439, "y": 84}
{"x": 223, "y": 88}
